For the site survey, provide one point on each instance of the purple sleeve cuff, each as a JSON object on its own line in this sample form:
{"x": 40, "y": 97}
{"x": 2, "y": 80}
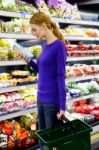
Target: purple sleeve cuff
{"x": 33, "y": 65}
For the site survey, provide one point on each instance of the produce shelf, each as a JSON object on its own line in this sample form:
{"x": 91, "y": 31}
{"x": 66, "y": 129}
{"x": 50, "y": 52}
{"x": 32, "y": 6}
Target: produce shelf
{"x": 17, "y": 114}
{"x": 57, "y": 19}
{"x": 69, "y": 59}
{"x": 81, "y": 97}
{"x": 80, "y": 78}
{"x": 97, "y": 39}
{"x": 12, "y": 63}
{"x": 15, "y": 14}
{"x": 16, "y": 88}
{"x": 31, "y": 37}
{"x": 96, "y": 75}
{"x": 88, "y": 2}
{"x": 17, "y": 36}
{"x": 76, "y": 22}
{"x": 79, "y": 38}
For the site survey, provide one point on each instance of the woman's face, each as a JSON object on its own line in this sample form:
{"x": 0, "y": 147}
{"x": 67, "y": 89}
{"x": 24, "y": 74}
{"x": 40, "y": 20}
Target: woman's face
{"x": 38, "y": 31}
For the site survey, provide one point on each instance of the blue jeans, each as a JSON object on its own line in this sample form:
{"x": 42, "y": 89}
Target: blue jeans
{"x": 47, "y": 116}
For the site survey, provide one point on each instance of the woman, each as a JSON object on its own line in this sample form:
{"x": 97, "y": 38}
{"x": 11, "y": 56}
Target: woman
{"x": 51, "y": 95}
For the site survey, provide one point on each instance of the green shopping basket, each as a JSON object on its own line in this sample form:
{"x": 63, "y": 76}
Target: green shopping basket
{"x": 71, "y": 135}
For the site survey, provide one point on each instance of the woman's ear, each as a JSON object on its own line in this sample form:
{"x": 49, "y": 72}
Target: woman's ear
{"x": 44, "y": 26}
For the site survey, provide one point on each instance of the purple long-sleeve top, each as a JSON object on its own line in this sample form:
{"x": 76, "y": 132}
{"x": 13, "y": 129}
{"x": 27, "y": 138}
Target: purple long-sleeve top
{"x": 51, "y": 69}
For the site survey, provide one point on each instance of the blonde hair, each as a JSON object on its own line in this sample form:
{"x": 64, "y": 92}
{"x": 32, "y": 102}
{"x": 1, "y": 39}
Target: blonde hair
{"x": 40, "y": 18}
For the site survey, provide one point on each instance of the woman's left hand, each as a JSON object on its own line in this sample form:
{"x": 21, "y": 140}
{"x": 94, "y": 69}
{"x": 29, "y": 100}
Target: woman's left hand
{"x": 60, "y": 114}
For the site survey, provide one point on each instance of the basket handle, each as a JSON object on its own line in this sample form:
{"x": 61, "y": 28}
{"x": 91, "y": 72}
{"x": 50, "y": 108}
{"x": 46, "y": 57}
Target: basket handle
{"x": 68, "y": 124}
{"x": 66, "y": 120}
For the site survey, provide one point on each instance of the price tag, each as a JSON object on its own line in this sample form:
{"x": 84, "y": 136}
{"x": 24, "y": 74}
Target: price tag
{"x": 3, "y": 140}
{"x": 67, "y": 20}
{"x": 23, "y": 14}
{"x": 33, "y": 126}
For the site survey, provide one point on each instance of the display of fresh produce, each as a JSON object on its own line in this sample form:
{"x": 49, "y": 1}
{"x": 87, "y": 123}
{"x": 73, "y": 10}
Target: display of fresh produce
{"x": 4, "y": 43}
{"x": 81, "y": 47}
{"x": 3, "y": 53}
{"x": 61, "y": 8}
{"x": 18, "y": 137}
{"x": 6, "y": 51}
{"x": 9, "y": 108}
{"x": 82, "y": 107}
{"x": 78, "y": 70}
{"x": 79, "y": 89}
{"x": 8, "y": 5}
{"x": 17, "y": 101}
{"x": 36, "y": 50}
{"x": 83, "y": 53}
{"x": 11, "y": 54}
{"x": 73, "y": 30}
{"x": 91, "y": 32}
{"x": 25, "y": 26}
{"x": 29, "y": 120}
{"x": 5, "y": 27}
{"x": 19, "y": 73}
{"x": 4, "y": 76}
{"x": 15, "y": 26}
{"x": 17, "y": 77}
{"x": 29, "y": 94}
{"x": 42, "y": 6}
{"x": 29, "y": 91}
{"x": 25, "y": 7}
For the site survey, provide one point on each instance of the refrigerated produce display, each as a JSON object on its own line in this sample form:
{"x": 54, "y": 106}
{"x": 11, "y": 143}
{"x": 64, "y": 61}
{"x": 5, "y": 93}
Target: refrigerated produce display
{"x": 18, "y": 83}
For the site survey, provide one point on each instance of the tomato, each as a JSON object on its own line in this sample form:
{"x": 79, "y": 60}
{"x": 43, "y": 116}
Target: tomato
{"x": 70, "y": 48}
{"x": 82, "y": 102}
{"x": 86, "y": 109}
{"x": 97, "y": 47}
{"x": 76, "y": 103}
{"x": 77, "y": 109}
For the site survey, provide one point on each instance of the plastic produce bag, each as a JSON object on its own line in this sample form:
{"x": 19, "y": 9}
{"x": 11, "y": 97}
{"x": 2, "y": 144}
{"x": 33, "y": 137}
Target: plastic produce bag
{"x": 8, "y": 5}
{"x": 75, "y": 14}
{"x": 83, "y": 88}
{"x": 15, "y": 26}
{"x": 89, "y": 15}
{"x": 25, "y": 7}
{"x": 62, "y": 8}
{"x": 42, "y": 6}
{"x": 59, "y": 8}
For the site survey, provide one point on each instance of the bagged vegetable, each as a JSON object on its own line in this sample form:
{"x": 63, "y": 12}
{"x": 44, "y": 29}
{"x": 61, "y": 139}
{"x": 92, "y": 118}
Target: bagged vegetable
{"x": 42, "y": 6}
{"x": 24, "y": 6}
{"x": 75, "y": 14}
{"x": 8, "y": 5}
{"x": 59, "y": 8}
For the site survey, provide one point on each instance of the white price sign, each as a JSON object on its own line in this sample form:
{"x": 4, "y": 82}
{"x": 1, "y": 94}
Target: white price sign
{"x": 3, "y": 140}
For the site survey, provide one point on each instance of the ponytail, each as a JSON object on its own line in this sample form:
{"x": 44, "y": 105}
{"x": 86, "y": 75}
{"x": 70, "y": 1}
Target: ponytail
{"x": 57, "y": 32}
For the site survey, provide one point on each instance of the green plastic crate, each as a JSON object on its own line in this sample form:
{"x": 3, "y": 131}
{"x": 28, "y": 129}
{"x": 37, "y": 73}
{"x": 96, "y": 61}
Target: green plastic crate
{"x": 58, "y": 139}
